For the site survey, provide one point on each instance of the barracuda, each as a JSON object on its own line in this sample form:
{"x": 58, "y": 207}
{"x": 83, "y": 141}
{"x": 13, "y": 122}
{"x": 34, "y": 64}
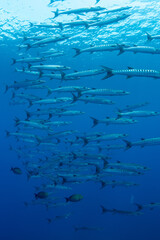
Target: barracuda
{"x": 101, "y": 48}
{"x": 109, "y": 21}
{"x": 137, "y": 114}
{"x": 83, "y": 73}
{"x": 106, "y": 92}
{"x": 131, "y": 72}
{"x": 109, "y": 121}
{"x": 46, "y": 41}
{"x": 143, "y": 142}
{"x": 78, "y": 11}
{"x": 49, "y": 67}
{"x": 139, "y": 49}
{"x": 28, "y": 60}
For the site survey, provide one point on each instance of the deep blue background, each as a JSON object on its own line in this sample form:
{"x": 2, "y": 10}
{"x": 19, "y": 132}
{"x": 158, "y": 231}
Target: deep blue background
{"x": 18, "y": 222}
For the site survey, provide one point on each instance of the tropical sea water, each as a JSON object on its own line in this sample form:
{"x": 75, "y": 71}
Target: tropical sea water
{"x": 21, "y": 222}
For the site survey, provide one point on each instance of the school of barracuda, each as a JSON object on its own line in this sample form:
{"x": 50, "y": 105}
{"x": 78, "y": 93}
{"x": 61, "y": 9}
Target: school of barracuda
{"x": 51, "y": 109}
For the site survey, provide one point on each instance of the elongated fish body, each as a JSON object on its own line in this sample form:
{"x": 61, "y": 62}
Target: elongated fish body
{"x": 119, "y": 171}
{"x": 143, "y": 142}
{"x": 28, "y": 60}
{"x": 109, "y": 21}
{"x": 78, "y": 23}
{"x": 69, "y": 113}
{"x": 53, "y": 101}
{"x": 140, "y": 49}
{"x": 46, "y": 25}
{"x": 58, "y": 76}
{"x": 58, "y": 123}
{"x": 21, "y": 135}
{"x": 32, "y": 124}
{"x": 101, "y": 48}
{"x": 129, "y": 108}
{"x": 36, "y": 73}
{"x": 49, "y": 67}
{"x": 109, "y": 121}
{"x": 25, "y": 96}
{"x": 131, "y": 72}
{"x": 105, "y": 92}
{"x": 95, "y": 100}
{"x": 113, "y": 147}
{"x": 78, "y": 11}
{"x": 85, "y": 73}
{"x": 24, "y": 84}
{"x": 138, "y": 114}
{"x": 47, "y": 40}
{"x": 68, "y": 89}
{"x": 117, "y": 9}
{"x": 106, "y": 137}
{"x": 119, "y": 164}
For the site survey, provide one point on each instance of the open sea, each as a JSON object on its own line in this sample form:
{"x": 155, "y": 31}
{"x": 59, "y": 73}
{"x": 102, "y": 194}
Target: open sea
{"x": 74, "y": 165}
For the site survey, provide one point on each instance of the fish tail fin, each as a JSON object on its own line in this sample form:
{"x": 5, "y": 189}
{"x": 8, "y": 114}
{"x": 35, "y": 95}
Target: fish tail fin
{"x": 49, "y": 92}
{"x": 149, "y": 37}
{"x": 103, "y": 209}
{"x": 74, "y": 98}
{"x": 109, "y": 72}
{"x": 38, "y": 140}
{"x": 56, "y": 13}
{"x": 6, "y": 89}
{"x": 28, "y": 115}
{"x": 14, "y": 61}
{"x": 75, "y": 229}
{"x": 85, "y": 141}
{"x": 63, "y": 75}
{"x": 95, "y": 122}
{"x": 139, "y": 206}
{"x": 67, "y": 199}
{"x": 7, "y": 133}
{"x": 31, "y": 24}
{"x": 28, "y": 46}
{"x": 78, "y": 51}
{"x": 60, "y": 26}
{"x": 16, "y": 121}
{"x": 128, "y": 144}
{"x": 86, "y": 25}
{"x": 121, "y": 49}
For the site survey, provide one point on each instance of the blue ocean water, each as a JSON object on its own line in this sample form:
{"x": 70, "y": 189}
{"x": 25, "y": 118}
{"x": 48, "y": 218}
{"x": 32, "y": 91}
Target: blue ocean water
{"x": 30, "y": 222}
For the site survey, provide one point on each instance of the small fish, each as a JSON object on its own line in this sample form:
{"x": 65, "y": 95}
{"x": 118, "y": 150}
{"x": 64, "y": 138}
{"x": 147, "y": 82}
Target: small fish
{"x": 74, "y": 198}
{"x": 41, "y": 195}
{"x": 16, "y": 170}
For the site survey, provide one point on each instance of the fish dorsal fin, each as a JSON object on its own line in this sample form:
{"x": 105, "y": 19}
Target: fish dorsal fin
{"x": 142, "y": 138}
{"x": 98, "y": 135}
{"x": 130, "y": 67}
